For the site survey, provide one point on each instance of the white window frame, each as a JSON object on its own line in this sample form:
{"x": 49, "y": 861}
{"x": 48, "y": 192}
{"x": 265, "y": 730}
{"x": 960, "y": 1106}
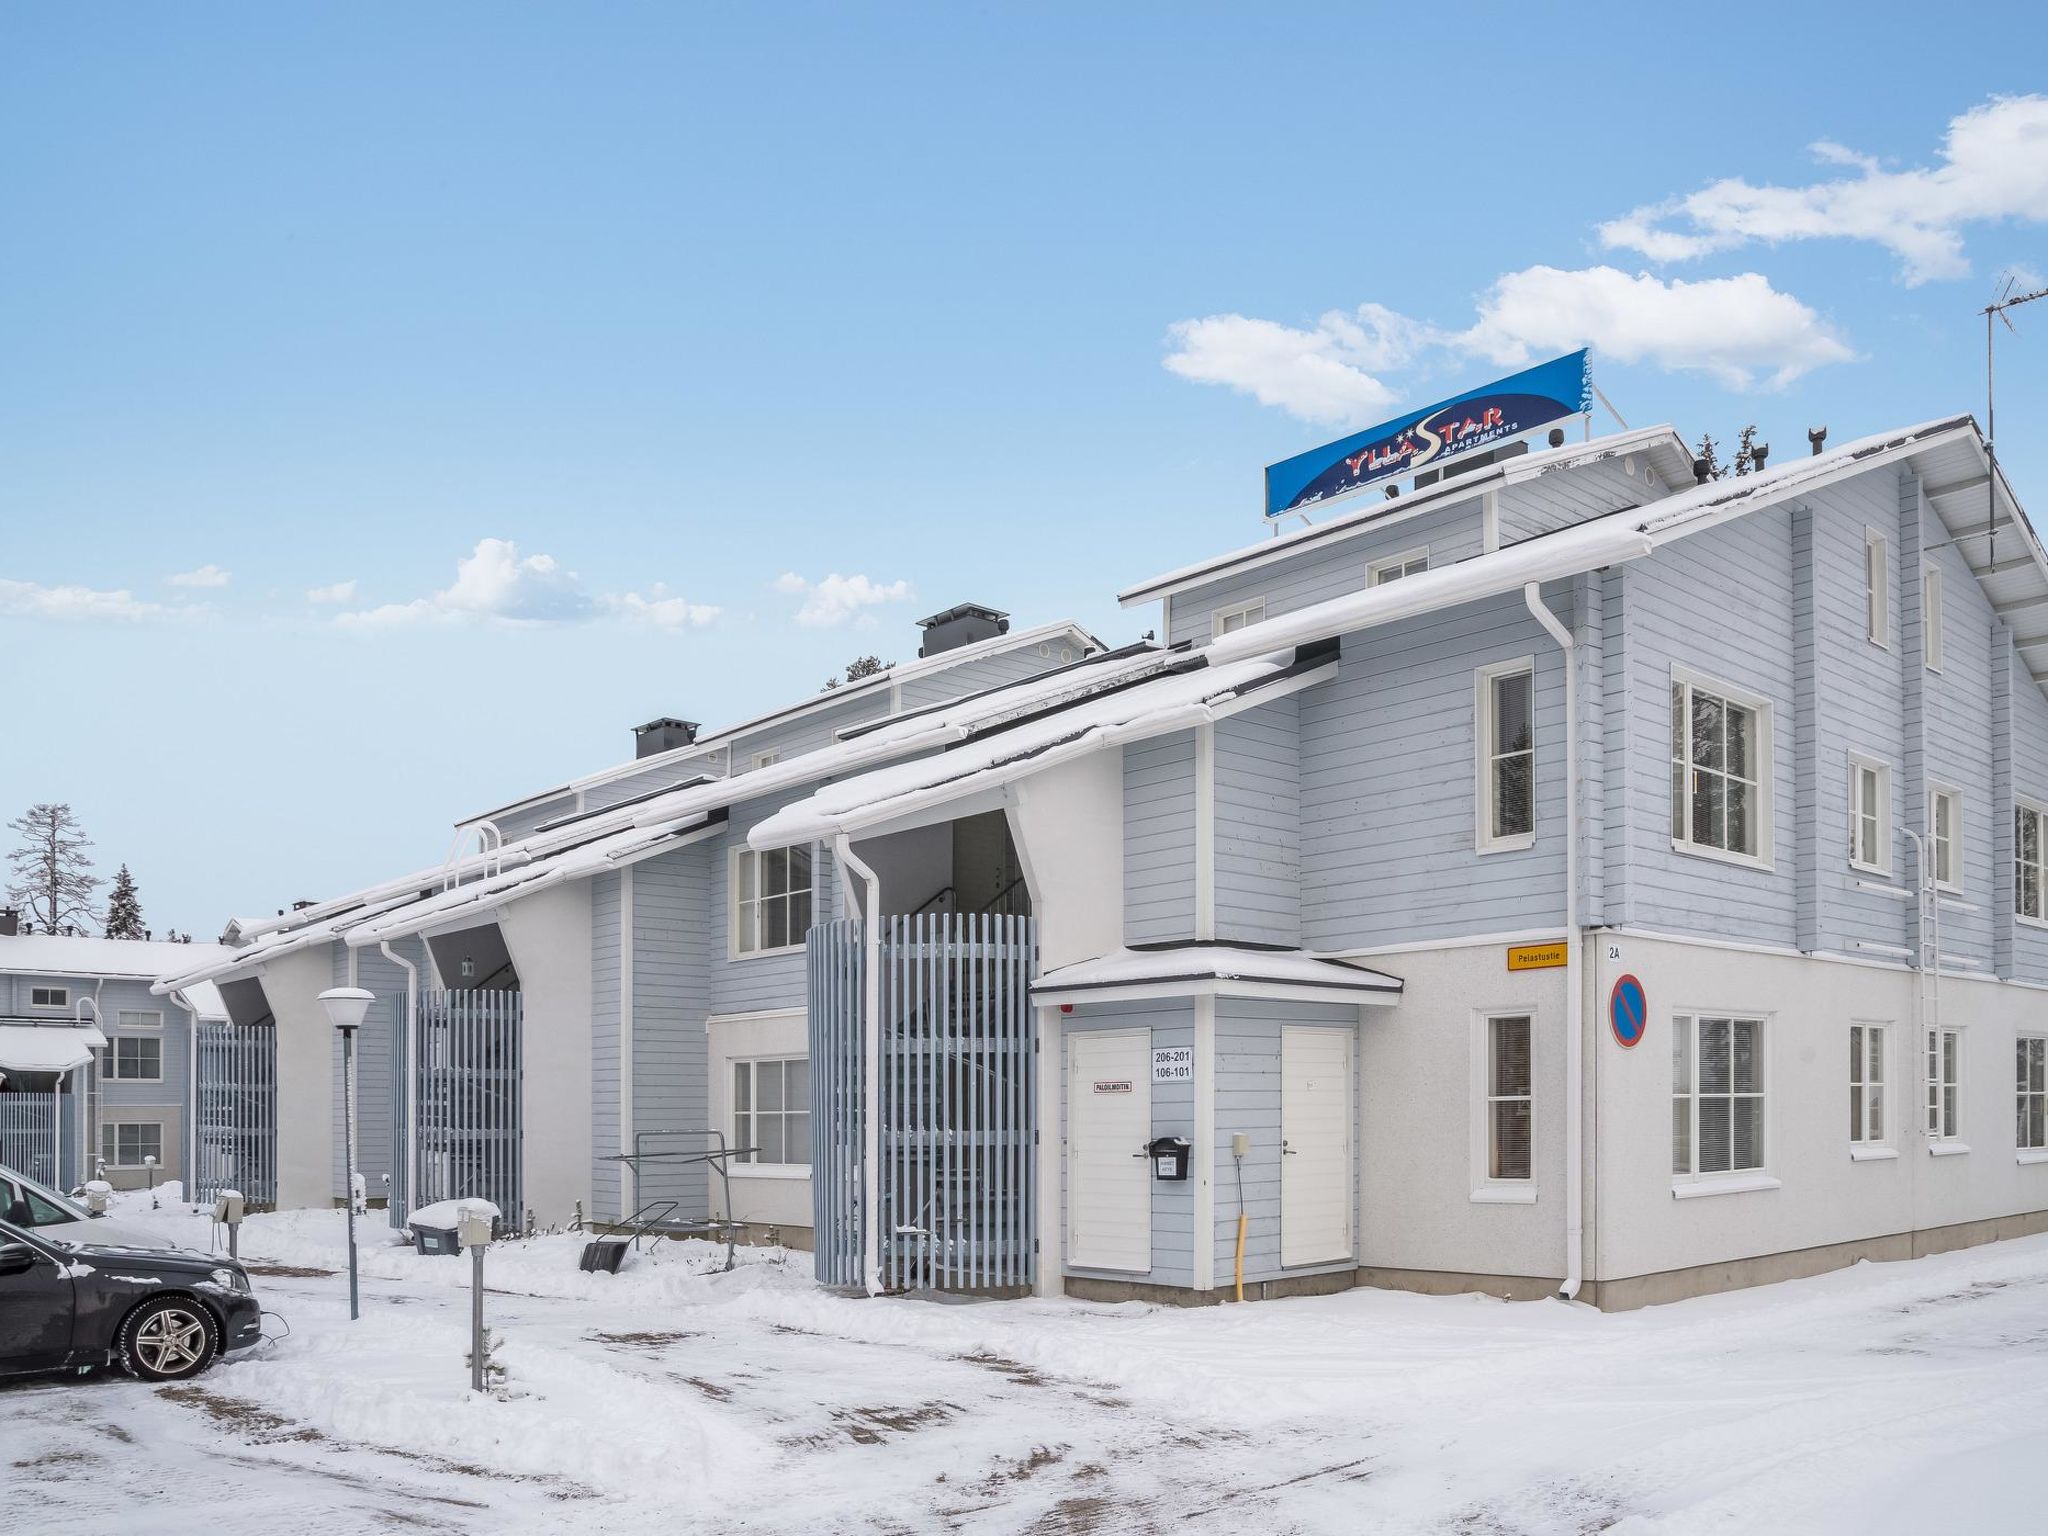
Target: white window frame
{"x": 1945, "y": 849}
{"x": 1225, "y": 621}
{"x": 139, "y": 1018}
{"x": 110, "y": 1065}
{"x": 49, "y": 997}
{"x": 1764, "y": 750}
{"x": 752, "y": 1064}
{"x": 1877, "y": 774}
{"x": 2024, "y": 1091}
{"x": 110, "y": 1133}
{"x": 1877, "y": 588}
{"x": 1870, "y": 1047}
{"x": 1941, "y": 1110}
{"x": 1485, "y": 757}
{"x": 1393, "y": 567}
{"x": 1931, "y": 609}
{"x": 736, "y": 913}
{"x": 762, "y": 760}
{"x": 1685, "y": 1028}
{"x": 2039, "y": 866}
{"x": 1486, "y": 1189}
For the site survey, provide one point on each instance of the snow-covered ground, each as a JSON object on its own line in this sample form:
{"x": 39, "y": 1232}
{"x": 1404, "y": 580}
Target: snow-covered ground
{"x": 1887, "y": 1398}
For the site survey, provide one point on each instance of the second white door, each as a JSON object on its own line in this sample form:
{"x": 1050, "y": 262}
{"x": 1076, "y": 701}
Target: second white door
{"x": 1315, "y": 1144}
{"x": 1109, "y": 1121}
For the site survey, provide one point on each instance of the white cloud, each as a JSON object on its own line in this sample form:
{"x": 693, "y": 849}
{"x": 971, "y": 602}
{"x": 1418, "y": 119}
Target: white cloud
{"x": 492, "y": 584}
{"x": 334, "y": 592}
{"x": 1326, "y": 374}
{"x": 205, "y": 576}
{"x": 1729, "y": 328}
{"x": 28, "y": 599}
{"x": 838, "y": 599}
{"x": 663, "y": 611}
{"x": 1993, "y": 167}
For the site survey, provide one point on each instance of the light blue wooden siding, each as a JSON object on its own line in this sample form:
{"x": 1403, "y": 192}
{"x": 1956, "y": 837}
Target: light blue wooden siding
{"x": 1388, "y": 789}
{"x": 1569, "y": 496}
{"x": 792, "y": 738}
{"x": 670, "y": 897}
{"x": 986, "y": 672}
{"x": 375, "y": 1107}
{"x": 1159, "y": 839}
{"x": 656, "y": 776}
{"x": 175, "y": 1033}
{"x": 753, "y": 984}
{"x": 1258, "y": 824}
{"x": 1324, "y": 570}
{"x": 605, "y": 966}
{"x": 1248, "y": 1101}
{"x": 514, "y": 824}
{"x": 1172, "y": 1023}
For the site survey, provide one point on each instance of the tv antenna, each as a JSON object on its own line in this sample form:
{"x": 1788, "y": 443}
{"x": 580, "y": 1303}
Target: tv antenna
{"x": 1996, "y": 310}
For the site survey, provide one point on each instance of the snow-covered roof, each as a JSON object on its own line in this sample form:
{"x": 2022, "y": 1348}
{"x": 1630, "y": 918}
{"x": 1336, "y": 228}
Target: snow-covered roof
{"x": 997, "y": 750}
{"x": 47, "y": 1047}
{"x": 56, "y": 954}
{"x": 1201, "y": 969}
{"x": 1662, "y": 444}
{"x": 1587, "y": 546}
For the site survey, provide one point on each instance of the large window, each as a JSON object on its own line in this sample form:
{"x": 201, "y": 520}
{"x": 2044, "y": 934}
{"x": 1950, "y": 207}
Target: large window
{"x": 2031, "y": 1085}
{"x": 771, "y": 1111}
{"x": 1944, "y": 1083}
{"x": 1228, "y": 621}
{"x": 1930, "y": 617}
{"x": 1508, "y": 1099}
{"x": 1505, "y": 700}
{"x": 125, "y": 1144}
{"x": 1717, "y": 1095}
{"x": 1867, "y": 1119}
{"x": 2029, "y": 847}
{"x": 1720, "y": 771}
{"x": 1394, "y": 567}
{"x": 771, "y": 900}
{"x": 138, "y": 1060}
{"x": 1945, "y": 837}
{"x": 1876, "y": 589}
{"x": 1870, "y": 815}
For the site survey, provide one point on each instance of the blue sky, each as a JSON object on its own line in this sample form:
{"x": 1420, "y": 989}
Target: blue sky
{"x": 690, "y": 311}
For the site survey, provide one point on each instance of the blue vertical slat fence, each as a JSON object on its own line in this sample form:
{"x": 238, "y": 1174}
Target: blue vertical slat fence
{"x": 28, "y": 1135}
{"x": 235, "y": 1130}
{"x": 467, "y": 1088}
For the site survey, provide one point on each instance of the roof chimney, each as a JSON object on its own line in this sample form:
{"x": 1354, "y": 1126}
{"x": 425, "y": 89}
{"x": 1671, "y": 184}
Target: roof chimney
{"x": 663, "y": 735}
{"x": 10, "y": 921}
{"x": 1818, "y": 436}
{"x": 1758, "y": 452}
{"x": 1701, "y": 471}
{"x": 961, "y": 625}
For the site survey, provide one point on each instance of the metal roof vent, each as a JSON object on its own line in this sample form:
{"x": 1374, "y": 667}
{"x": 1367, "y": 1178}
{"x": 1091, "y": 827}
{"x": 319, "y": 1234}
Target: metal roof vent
{"x": 663, "y": 735}
{"x": 961, "y": 625}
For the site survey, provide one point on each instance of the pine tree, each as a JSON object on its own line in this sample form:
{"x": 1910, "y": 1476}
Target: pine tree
{"x": 858, "y": 668}
{"x": 1745, "y": 451}
{"x": 124, "y": 909}
{"x": 51, "y": 874}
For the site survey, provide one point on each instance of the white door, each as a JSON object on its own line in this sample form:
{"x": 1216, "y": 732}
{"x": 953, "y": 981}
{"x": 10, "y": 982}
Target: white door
{"x": 1109, "y": 1121}
{"x": 1315, "y": 1145}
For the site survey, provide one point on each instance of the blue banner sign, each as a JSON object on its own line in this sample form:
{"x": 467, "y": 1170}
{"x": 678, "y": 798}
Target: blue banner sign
{"x": 1476, "y": 419}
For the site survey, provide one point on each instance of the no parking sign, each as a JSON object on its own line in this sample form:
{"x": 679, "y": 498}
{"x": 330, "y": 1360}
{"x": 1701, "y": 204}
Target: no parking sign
{"x": 1628, "y": 1011}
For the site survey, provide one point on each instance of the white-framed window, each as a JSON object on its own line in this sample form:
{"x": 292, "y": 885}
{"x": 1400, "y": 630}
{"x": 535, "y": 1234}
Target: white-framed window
{"x": 1944, "y": 1084}
{"x": 1408, "y": 563}
{"x": 771, "y": 1111}
{"x": 125, "y": 1143}
{"x": 2030, "y": 1084}
{"x": 140, "y": 1018}
{"x": 762, "y": 760}
{"x": 1945, "y": 837}
{"x": 1228, "y": 621}
{"x": 1510, "y": 1101}
{"x": 1877, "y": 621}
{"x": 1930, "y": 616}
{"x": 1717, "y": 1095}
{"x": 2030, "y": 863}
{"x": 1870, "y": 815}
{"x": 1720, "y": 770}
{"x": 1504, "y": 701}
{"x": 771, "y": 899}
{"x": 1869, "y": 1120}
{"x": 133, "y": 1059}
{"x": 49, "y": 997}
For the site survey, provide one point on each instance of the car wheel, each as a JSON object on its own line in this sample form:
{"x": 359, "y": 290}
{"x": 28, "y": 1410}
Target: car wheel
{"x": 168, "y": 1339}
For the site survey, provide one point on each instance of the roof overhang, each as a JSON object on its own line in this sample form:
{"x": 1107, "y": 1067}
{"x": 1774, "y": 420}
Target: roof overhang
{"x": 1215, "y": 970}
{"x": 26, "y": 1047}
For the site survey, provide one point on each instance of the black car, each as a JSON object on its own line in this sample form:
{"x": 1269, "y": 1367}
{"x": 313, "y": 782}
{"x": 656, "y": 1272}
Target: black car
{"x": 162, "y": 1315}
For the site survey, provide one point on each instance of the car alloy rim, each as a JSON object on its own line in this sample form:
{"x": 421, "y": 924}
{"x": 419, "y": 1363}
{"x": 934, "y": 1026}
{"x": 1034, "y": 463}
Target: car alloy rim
{"x": 170, "y": 1340}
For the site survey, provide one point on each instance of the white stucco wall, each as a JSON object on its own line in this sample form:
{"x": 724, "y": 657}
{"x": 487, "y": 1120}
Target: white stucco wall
{"x": 1068, "y": 825}
{"x": 548, "y": 935}
{"x": 768, "y": 1197}
{"x": 306, "y": 1086}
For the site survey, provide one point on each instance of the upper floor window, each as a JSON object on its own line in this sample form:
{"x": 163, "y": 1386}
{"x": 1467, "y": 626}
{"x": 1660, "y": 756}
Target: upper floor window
{"x": 771, "y": 899}
{"x": 1945, "y": 837}
{"x": 1229, "y": 620}
{"x": 2029, "y": 847}
{"x": 1506, "y": 708}
{"x": 1720, "y": 783}
{"x": 1717, "y": 1096}
{"x": 764, "y": 760}
{"x": 1394, "y": 567}
{"x": 1876, "y": 588}
{"x": 2031, "y": 1084}
{"x": 1930, "y": 617}
{"x": 141, "y": 1018}
{"x": 49, "y": 997}
{"x": 139, "y": 1059}
{"x": 1870, "y": 815}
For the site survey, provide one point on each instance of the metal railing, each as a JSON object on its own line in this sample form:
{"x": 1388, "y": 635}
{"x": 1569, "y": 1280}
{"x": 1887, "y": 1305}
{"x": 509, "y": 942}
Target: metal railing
{"x": 29, "y": 1135}
{"x": 467, "y": 1114}
{"x": 235, "y": 1128}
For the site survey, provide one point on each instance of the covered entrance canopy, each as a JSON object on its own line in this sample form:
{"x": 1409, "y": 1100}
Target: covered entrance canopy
{"x": 26, "y": 1047}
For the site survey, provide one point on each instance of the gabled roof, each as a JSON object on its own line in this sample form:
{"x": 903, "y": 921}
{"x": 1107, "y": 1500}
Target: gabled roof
{"x": 1202, "y": 968}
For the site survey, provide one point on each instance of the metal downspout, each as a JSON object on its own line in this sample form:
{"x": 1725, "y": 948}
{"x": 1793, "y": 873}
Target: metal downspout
{"x": 1574, "y": 1004}
{"x": 870, "y": 1067}
{"x": 410, "y": 1086}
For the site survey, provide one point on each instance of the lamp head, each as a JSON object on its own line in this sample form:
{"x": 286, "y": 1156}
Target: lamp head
{"x": 346, "y": 1006}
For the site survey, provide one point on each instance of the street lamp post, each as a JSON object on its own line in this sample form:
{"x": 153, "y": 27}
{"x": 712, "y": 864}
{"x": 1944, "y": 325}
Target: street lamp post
{"x": 346, "y": 1008}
